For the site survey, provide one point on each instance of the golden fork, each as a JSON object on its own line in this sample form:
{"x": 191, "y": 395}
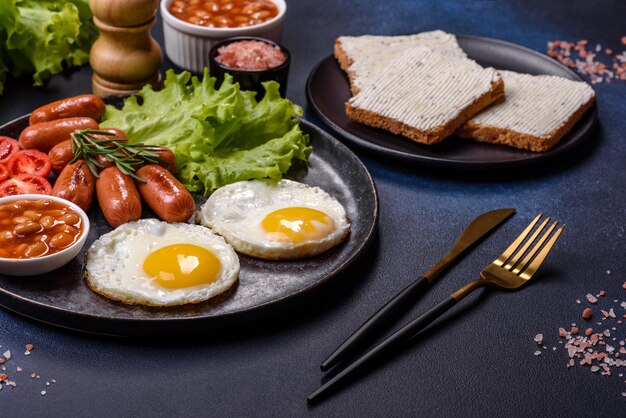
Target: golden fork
{"x": 506, "y": 272}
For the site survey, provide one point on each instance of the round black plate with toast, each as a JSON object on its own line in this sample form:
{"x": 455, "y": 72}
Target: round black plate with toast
{"x": 63, "y": 298}
{"x": 328, "y": 90}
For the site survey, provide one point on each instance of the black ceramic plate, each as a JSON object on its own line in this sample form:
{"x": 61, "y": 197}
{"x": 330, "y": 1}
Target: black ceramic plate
{"x": 328, "y": 89}
{"x": 62, "y": 297}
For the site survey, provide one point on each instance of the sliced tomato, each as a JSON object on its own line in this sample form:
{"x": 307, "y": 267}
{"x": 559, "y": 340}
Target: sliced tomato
{"x": 8, "y": 147}
{"x": 25, "y": 184}
{"x": 4, "y": 173}
{"x": 29, "y": 161}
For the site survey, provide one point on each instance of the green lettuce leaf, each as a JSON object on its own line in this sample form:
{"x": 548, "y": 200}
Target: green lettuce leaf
{"x": 219, "y": 136}
{"x": 44, "y": 36}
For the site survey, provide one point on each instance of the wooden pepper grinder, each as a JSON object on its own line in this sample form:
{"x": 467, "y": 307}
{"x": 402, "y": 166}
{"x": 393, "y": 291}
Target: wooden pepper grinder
{"x": 125, "y": 57}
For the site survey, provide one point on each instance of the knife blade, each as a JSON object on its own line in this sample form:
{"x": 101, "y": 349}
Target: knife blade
{"x": 477, "y": 229}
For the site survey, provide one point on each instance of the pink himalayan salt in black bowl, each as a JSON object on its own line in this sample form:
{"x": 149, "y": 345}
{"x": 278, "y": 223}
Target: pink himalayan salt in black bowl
{"x": 250, "y": 61}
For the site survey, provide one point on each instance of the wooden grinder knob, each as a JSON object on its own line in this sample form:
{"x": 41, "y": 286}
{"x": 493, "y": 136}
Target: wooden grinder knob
{"x": 124, "y": 57}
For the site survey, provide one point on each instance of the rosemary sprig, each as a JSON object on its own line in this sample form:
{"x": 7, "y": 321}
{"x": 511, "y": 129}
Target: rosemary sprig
{"x": 125, "y": 156}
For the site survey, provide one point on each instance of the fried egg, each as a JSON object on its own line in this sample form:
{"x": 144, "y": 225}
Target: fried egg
{"x": 156, "y": 263}
{"x": 276, "y": 220}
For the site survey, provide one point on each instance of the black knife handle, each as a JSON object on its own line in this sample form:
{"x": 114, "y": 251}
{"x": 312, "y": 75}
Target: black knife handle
{"x": 400, "y": 303}
{"x": 403, "y": 335}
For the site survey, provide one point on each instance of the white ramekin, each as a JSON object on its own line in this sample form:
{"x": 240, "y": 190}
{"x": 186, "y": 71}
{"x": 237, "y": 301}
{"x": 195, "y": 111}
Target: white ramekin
{"x": 46, "y": 263}
{"x": 187, "y": 45}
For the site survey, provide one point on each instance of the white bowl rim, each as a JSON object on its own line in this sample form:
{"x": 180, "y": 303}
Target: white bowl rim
{"x": 76, "y": 208}
{"x": 219, "y": 32}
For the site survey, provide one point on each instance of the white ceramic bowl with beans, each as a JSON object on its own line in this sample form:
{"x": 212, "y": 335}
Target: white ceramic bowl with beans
{"x": 188, "y": 45}
{"x": 46, "y": 263}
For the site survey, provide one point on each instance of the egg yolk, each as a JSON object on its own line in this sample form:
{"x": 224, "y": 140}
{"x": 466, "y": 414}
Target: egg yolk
{"x": 297, "y": 224}
{"x": 182, "y": 265}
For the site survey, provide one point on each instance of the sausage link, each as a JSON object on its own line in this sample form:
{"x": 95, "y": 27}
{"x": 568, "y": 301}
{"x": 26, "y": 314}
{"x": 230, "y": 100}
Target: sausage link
{"x": 169, "y": 160}
{"x": 60, "y": 155}
{"x": 45, "y": 135}
{"x": 165, "y": 195}
{"x": 76, "y": 184}
{"x": 87, "y": 105}
{"x": 118, "y": 197}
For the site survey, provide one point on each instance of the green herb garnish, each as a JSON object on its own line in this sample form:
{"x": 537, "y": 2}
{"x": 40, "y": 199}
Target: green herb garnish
{"x": 125, "y": 157}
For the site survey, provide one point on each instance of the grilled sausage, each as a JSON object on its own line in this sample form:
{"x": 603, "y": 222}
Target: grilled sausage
{"x": 118, "y": 197}
{"x": 169, "y": 160}
{"x": 76, "y": 184}
{"x": 61, "y": 155}
{"x": 45, "y": 135}
{"x": 87, "y": 105}
{"x": 165, "y": 195}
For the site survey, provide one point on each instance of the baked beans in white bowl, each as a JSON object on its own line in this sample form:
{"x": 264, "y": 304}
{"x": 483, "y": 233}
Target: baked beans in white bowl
{"x": 39, "y": 233}
{"x": 191, "y": 27}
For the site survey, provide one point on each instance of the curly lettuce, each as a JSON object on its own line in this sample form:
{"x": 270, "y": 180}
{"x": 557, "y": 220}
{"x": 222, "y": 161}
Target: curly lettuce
{"x": 42, "y": 37}
{"x": 219, "y": 136}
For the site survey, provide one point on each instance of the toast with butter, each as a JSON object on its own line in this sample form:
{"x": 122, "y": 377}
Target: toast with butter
{"x": 538, "y": 110}
{"x": 363, "y": 57}
{"x": 425, "y": 95}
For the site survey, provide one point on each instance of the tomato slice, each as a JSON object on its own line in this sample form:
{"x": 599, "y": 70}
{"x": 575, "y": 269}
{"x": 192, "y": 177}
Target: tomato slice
{"x": 29, "y": 161}
{"x": 8, "y": 147}
{"x": 25, "y": 184}
{"x": 4, "y": 173}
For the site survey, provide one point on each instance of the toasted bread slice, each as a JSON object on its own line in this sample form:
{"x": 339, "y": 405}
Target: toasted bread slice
{"x": 363, "y": 57}
{"x": 426, "y": 95}
{"x": 537, "y": 112}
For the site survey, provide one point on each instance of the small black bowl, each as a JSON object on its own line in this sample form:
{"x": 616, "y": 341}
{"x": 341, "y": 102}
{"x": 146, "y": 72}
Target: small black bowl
{"x": 251, "y": 79}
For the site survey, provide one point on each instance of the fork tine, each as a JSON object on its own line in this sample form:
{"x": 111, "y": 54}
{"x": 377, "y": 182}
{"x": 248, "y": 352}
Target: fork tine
{"x": 534, "y": 265}
{"x": 511, "y": 248}
{"x": 536, "y": 248}
{"x": 518, "y": 254}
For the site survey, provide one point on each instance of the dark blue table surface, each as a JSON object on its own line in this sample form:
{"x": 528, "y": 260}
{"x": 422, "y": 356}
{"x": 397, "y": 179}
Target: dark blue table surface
{"x": 479, "y": 361}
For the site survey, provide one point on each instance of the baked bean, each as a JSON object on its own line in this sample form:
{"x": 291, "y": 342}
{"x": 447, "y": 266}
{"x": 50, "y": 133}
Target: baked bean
{"x": 27, "y": 228}
{"x": 251, "y": 8}
{"x": 21, "y": 249}
{"x": 211, "y": 7}
{"x": 263, "y": 14}
{"x": 20, "y": 220}
{"x": 35, "y": 250}
{"x": 69, "y": 229}
{"x": 47, "y": 222}
{"x": 6, "y": 236}
{"x": 70, "y": 218}
{"x": 55, "y": 213}
{"x": 32, "y": 215}
{"x": 61, "y": 240}
{"x": 4, "y": 253}
{"x": 41, "y": 204}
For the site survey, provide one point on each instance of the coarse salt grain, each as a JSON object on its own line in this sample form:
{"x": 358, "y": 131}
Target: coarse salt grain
{"x": 587, "y": 313}
{"x": 591, "y": 298}
{"x": 7, "y": 354}
{"x": 538, "y": 338}
{"x": 597, "y": 64}
{"x": 537, "y": 353}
